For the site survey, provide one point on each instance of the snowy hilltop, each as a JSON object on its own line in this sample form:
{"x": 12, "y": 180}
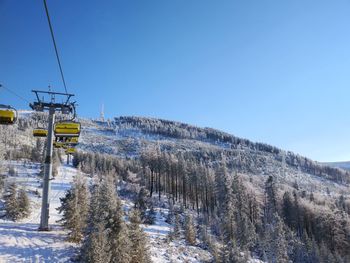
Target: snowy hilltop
{"x": 164, "y": 191}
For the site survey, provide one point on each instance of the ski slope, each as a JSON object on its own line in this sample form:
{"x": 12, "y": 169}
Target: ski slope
{"x": 21, "y": 241}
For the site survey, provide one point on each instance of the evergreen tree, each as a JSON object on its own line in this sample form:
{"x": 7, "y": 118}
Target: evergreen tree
{"x": 106, "y": 216}
{"x": 120, "y": 244}
{"x": 138, "y": 250}
{"x": 2, "y": 181}
{"x": 74, "y": 208}
{"x": 142, "y": 202}
{"x": 11, "y": 202}
{"x": 175, "y": 233}
{"x": 96, "y": 248}
{"x": 288, "y": 210}
{"x": 244, "y": 231}
{"x": 23, "y": 204}
{"x": 274, "y": 229}
{"x": 214, "y": 248}
{"x": 150, "y": 216}
{"x": 190, "y": 230}
{"x": 112, "y": 214}
{"x": 226, "y": 204}
{"x": 270, "y": 201}
{"x": 233, "y": 253}
{"x": 276, "y": 244}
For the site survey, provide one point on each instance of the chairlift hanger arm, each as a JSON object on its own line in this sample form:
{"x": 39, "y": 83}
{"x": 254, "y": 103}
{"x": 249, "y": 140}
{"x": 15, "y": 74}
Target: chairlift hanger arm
{"x": 6, "y": 106}
{"x": 40, "y": 105}
{"x": 53, "y": 93}
{"x": 48, "y": 105}
{"x": 68, "y": 98}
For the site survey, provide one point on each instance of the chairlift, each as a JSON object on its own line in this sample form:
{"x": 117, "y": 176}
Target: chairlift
{"x": 72, "y": 141}
{"x": 70, "y": 150}
{"x": 67, "y": 129}
{"x": 40, "y": 132}
{"x": 8, "y": 115}
{"x": 58, "y": 145}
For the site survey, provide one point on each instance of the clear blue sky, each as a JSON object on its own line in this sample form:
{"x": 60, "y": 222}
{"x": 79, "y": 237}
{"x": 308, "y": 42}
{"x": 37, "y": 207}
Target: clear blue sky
{"x": 270, "y": 71}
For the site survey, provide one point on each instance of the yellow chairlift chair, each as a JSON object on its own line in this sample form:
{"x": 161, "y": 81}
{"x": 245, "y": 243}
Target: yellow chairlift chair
{"x": 8, "y": 115}
{"x": 40, "y": 132}
{"x": 70, "y": 150}
{"x": 67, "y": 129}
{"x": 58, "y": 145}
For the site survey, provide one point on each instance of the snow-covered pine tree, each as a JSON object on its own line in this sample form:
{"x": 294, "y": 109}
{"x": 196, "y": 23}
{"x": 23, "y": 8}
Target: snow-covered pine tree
{"x": 270, "y": 201}
{"x": 95, "y": 244}
{"x": 74, "y": 207}
{"x": 215, "y": 249}
{"x": 176, "y": 231}
{"x": 232, "y": 253}
{"x": 150, "y": 216}
{"x": 177, "y": 226}
{"x": 138, "y": 250}
{"x": 142, "y": 202}
{"x": 23, "y": 204}
{"x": 226, "y": 203}
{"x": 288, "y": 210}
{"x": 11, "y": 202}
{"x": 112, "y": 214}
{"x": 96, "y": 247}
{"x": 275, "y": 244}
{"x": 275, "y": 241}
{"x": 2, "y": 182}
{"x": 106, "y": 216}
{"x": 279, "y": 243}
{"x": 244, "y": 231}
{"x": 190, "y": 230}
{"x": 120, "y": 244}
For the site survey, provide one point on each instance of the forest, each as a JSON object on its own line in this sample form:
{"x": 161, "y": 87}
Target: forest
{"x": 231, "y": 214}
{"x": 216, "y": 202}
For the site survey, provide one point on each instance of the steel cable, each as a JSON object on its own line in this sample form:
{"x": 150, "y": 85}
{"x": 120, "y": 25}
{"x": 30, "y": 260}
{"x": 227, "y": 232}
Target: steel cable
{"x": 54, "y": 43}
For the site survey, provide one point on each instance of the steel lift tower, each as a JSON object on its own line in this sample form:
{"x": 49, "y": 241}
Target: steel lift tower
{"x": 50, "y": 105}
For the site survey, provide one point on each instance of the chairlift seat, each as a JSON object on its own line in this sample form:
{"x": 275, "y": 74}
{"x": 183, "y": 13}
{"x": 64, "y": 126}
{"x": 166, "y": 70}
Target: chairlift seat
{"x": 7, "y": 116}
{"x": 67, "y": 129}
{"x": 39, "y": 132}
{"x": 70, "y": 151}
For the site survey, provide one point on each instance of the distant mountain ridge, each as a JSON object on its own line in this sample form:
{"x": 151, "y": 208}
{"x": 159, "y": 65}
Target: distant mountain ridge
{"x": 343, "y": 165}
{"x": 129, "y": 135}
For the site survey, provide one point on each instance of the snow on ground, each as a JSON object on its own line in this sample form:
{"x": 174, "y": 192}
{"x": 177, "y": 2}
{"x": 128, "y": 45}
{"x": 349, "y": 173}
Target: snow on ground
{"x": 161, "y": 249}
{"x": 21, "y": 241}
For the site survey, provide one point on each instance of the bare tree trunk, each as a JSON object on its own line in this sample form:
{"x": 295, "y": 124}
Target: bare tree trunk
{"x": 152, "y": 179}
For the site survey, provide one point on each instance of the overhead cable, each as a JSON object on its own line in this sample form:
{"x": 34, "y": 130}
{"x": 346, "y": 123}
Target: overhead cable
{"x": 14, "y": 93}
{"x": 54, "y": 43}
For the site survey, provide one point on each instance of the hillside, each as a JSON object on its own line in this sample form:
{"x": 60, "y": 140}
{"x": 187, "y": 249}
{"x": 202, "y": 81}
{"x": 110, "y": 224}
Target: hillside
{"x": 130, "y": 136}
{"x": 279, "y": 204}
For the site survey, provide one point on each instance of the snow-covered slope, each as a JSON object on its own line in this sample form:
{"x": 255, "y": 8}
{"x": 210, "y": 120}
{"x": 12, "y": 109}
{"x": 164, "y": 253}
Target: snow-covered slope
{"x": 130, "y": 136}
{"x": 164, "y": 251}
{"x": 21, "y": 241}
